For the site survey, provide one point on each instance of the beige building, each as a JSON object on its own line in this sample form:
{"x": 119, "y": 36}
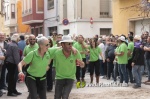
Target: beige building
{"x": 128, "y": 15}
{"x": 79, "y": 14}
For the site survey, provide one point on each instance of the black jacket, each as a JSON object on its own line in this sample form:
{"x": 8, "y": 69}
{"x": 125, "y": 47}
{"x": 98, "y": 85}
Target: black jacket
{"x": 138, "y": 56}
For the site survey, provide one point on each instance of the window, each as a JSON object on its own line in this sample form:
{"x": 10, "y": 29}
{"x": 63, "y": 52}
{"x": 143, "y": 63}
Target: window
{"x": 32, "y": 30}
{"x": 64, "y": 9}
{"x": 105, "y": 31}
{"x": 66, "y": 32}
{"x": 7, "y": 16}
{"x": 104, "y": 8}
{"x": 52, "y": 29}
{"x": 50, "y": 4}
{"x": 12, "y": 11}
{"x": 40, "y": 5}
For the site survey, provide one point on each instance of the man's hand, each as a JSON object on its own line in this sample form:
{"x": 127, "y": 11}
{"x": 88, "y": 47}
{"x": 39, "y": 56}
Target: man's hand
{"x": 80, "y": 63}
{"x": 21, "y": 76}
{"x": 132, "y": 64}
{"x": 74, "y": 50}
{"x": 108, "y": 60}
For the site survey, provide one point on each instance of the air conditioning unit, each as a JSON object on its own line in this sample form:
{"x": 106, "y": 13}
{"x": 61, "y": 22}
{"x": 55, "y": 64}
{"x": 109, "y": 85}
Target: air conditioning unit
{"x": 30, "y": 10}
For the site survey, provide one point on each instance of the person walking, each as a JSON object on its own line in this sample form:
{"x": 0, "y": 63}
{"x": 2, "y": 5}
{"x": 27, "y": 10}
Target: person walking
{"x": 65, "y": 66}
{"x": 80, "y": 46}
{"x": 28, "y": 48}
{"x": 38, "y": 61}
{"x": 94, "y": 52}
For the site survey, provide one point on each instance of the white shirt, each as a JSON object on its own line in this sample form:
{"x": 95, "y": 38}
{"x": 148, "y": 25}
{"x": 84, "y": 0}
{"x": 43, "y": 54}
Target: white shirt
{"x": 102, "y": 47}
{"x": 2, "y": 44}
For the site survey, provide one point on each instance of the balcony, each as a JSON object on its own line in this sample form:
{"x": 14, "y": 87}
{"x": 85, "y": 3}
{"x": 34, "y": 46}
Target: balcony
{"x": 31, "y": 16}
{"x": 10, "y": 23}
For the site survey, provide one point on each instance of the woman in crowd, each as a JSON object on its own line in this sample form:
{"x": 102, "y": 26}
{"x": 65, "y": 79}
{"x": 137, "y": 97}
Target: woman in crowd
{"x": 94, "y": 52}
{"x": 36, "y": 73}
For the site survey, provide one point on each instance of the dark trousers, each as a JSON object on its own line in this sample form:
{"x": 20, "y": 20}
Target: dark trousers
{"x": 34, "y": 85}
{"x": 116, "y": 73}
{"x": 129, "y": 71}
{"x": 11, "y": 77}
{"x": 101, "y": 68}
{"x": 79, "y": 70}
{"x": 94, "y": 66}
{"x": 3, "y": 77}
{"x": 110, "y": 67}
{"x": 49, "y": 78}
{"x": 63, "y": 88}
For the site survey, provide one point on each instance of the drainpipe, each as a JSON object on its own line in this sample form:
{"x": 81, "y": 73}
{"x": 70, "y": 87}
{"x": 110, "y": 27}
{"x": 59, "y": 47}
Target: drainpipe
{"x": 81, "y": 9}
{"x": 57, "y": 14}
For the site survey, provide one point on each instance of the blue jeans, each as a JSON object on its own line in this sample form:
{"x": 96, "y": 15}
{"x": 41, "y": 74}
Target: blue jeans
{"x": 3, "y": 77}
{"x": 137, "y": 72}
{"x": 101, "y": 68}
{"x": 115, "y": 71}
{"x": 148, "y": 67}
{"x": 122, "y": 73}
{"x": 63, "y": 88}
{"x": 110, "y": 67}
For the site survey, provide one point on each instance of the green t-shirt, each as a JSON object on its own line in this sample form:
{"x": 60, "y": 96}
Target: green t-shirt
{"x": 38, "y": 64}
{"x": 78, "y": 46}
{"x": 28, "y": 49}
{"x": 123, "y": 59}
{"x": 65, "y": 67}
{"x": 116, "y": 50}
{"x": 54, "y": 42}
{"x": 94, "y": 53}
{"x": 131, "y": 48}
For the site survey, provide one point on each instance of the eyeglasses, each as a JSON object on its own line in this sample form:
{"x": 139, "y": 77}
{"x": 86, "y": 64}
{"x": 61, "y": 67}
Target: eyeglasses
{"x": 69, "y": 43}
{"x": 31, "y": 39}
{"x": 47, "y": 45}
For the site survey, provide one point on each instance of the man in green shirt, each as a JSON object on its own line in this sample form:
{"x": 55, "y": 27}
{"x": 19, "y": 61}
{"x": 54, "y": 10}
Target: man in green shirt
{"x": 122, "y": 60}
{"x": 32, "y": 45}
{"x": 81, "y": 47}
{"x": 65, "y": 66}
{"x": 130, "y": 51}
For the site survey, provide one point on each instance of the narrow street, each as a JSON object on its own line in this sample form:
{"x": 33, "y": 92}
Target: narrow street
{"x": 95, "y": 92}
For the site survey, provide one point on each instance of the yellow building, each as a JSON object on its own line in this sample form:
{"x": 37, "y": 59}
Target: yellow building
{"x": 21, "y": 28}
{"x": 128, "y": 18}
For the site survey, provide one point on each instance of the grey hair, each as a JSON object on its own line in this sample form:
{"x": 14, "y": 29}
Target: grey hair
{"x": 100, "y": 39}
{"x": 15, "y": 37}
{"x": 41, "y": 40}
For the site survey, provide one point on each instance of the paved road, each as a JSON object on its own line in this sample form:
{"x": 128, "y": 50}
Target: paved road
{"x": 94, "y": 92}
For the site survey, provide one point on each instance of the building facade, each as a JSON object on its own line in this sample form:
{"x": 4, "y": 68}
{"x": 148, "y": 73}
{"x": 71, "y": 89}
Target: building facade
{"x": 10, "y": 16}
{"x": 84, "y": 17}
{"x": 127, "y": 17}
{"x": 21, "y": 28}
{"x": 33, "y": 15}
{"x": 2, "y": 18}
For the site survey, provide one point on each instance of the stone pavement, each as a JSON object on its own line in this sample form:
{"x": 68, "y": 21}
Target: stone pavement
{"x": 92, "y": 92}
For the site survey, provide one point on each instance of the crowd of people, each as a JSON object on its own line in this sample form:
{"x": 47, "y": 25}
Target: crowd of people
{"x": 62, "y": 59}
